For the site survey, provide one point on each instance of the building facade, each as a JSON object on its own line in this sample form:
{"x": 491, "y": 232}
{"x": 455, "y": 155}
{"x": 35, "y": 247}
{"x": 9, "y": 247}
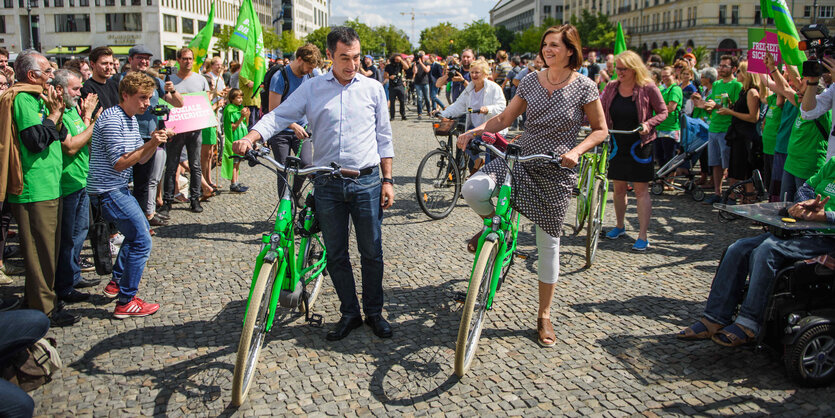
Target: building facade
{"x": 67, "y": 28}
{"x": 518, "y": 15}
{"x": 300, "y": 16}
{"x": 721, "y": 26}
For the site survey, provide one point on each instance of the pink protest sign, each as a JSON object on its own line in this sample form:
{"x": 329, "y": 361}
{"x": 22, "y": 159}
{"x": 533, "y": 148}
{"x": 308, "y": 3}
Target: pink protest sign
{"x": 196, "y": 114}
{"x": 760, "y": 43}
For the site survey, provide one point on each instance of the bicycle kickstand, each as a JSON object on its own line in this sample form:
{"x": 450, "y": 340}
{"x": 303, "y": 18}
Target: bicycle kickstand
{"x": 312, "y": 319}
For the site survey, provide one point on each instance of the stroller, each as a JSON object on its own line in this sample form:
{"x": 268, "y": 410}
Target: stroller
{"x": 694, "y": 138}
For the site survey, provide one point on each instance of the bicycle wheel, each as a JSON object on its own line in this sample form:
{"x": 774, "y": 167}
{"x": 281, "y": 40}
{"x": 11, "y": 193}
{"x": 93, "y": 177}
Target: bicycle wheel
{"x": 311, "y": 254}
{"x": 437, "y": 184}
{"x": 254, "y": 331}
{"x": 472, "y": 317}
{"x": 583, "y": 191}
{"x": 595, "y": 223}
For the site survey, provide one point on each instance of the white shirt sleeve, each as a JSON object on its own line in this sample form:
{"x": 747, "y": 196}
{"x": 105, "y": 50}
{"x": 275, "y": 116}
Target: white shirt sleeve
{"x": 824, "y": 104}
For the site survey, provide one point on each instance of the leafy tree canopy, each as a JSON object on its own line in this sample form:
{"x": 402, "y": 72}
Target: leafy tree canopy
{"x": 505, "y": 37}
{"x": 319, "y": 37}
{"x": 395, "y": 39}
{"x": 596, "y": 31}
{"x": 287, "y": 42}
{"x": 436, "y": 39}
{"x": 529, "y": 39}
{"x": 480, "y": 37}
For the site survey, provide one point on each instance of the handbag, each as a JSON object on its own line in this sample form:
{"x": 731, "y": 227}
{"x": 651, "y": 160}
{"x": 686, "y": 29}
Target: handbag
{"x": 33, "y": 367}
{"x": 100, "y": 241}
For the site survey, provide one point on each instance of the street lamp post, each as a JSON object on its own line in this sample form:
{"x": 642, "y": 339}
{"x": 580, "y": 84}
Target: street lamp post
{"x": 29, "y": 19}
{"x": 451, "y": 42}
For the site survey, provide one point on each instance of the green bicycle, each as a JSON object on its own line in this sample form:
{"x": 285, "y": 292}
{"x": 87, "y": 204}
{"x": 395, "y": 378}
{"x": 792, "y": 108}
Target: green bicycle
{"x": 592, "y": 192}
{"x": 494, "y": 257}
{"x": 283, "y": 275}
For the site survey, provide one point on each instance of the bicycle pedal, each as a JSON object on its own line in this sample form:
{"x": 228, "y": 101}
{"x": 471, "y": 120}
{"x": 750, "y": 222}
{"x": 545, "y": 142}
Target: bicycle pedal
{"x": 315, "y": 320}
{"x": 521, "y": 255}
{"x": 575, "y": 192}
{"x": 459, "y": 297}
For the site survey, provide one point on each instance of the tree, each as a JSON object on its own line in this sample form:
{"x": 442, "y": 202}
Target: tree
{"x": 667, "y": 53}
{"x": 287, "y": 43}
{"x": 595, "y": 30}
{"x": 395, "y": 39}
{"x": 319, "y": 37}
{"x": 271, "y": 40}
{"x": 480, "y": 37}
{"x": 370, "y": 40}
{"x": 223, "y": 36}
{"x": 702, "y": 54}
{"x": 529, "y": 39}
{"x": 505, "y": 37}
{"x": 436, "y": 39}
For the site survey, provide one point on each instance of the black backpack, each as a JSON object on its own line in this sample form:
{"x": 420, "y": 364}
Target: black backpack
{"x": 265, "y": 90}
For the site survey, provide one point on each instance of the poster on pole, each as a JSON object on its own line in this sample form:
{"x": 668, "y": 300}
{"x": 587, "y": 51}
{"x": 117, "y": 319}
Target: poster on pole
{"x": 761, "y": 42}
{"x": 196, "y": 113}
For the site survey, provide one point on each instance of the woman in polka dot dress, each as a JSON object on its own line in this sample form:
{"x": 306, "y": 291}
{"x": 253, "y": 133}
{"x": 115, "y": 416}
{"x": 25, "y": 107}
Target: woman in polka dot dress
{"x": 557, "y": 100}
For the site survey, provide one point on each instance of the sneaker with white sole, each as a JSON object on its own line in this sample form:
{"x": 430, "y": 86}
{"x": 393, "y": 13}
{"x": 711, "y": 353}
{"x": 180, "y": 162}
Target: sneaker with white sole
{"x": 111, "y": 290}
{"x": 616, "y": 233}
{"x": 117, "y": 239}
{"x": 135, "y": 308}
{"x": 640, "y": 245}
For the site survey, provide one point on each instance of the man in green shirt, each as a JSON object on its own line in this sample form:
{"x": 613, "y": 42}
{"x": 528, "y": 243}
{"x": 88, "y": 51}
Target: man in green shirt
{"x": 725, "y": 91}
{"x": 75, "y": 204}
{"x": 37, "y": 208}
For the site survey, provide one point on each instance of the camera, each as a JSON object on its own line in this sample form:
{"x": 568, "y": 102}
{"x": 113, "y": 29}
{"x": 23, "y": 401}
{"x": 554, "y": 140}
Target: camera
{"x": 161, "y": 111}
{"x": 166, "y": 70}
{"x": 453, "y": 70}
{"x": 820, "y": 44}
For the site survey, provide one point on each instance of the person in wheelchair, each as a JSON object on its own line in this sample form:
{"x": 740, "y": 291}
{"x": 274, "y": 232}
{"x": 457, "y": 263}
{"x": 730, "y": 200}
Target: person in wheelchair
{"x": 760, "y": 258}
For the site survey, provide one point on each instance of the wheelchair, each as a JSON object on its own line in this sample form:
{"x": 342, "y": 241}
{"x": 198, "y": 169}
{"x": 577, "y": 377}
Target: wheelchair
{"x": 799, "y": 321}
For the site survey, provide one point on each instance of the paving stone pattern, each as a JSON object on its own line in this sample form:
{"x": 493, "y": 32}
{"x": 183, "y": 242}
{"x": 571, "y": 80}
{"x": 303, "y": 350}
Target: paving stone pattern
{"x": 615, "y": 354}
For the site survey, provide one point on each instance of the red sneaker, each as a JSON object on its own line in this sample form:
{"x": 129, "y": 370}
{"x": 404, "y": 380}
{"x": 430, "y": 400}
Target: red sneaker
{"x": 136, "y": 307}
{"x": 111, "y": 290}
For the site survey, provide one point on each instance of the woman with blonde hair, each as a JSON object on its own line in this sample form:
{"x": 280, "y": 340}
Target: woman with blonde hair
{"x": 745, "y": 143}
{"x": 628, "y": 103}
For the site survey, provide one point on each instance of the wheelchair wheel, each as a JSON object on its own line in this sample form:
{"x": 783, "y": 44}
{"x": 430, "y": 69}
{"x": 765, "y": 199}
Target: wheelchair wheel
{"x": 811, "y": 360}
{"x": 698, "y": 194}
{"x": 657, "y": 189}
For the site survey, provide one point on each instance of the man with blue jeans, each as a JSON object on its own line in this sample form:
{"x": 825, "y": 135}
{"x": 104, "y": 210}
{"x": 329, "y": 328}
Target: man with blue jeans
{"x": 347, "y": 114}
{"x": 75, "y": 213}
{"x": 117, "y": 146}
{"x": 436, "y": 72}
{"x": 422, "y": 71}
{"x": 760, "y": 258}
{"x": 18, "y": 331}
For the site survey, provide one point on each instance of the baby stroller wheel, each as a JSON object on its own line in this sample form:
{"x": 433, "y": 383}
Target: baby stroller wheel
{"x": 811, "y": 360}
{"x": 657, "y": 189}
{"x": 698, "y": 194}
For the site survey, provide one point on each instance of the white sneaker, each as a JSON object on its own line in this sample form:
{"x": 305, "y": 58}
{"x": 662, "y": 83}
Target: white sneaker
{"x": 5, "y": 279}
{"x": 117, "y": 239}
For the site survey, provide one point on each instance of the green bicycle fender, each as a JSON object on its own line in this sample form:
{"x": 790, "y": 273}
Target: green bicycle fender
{"x": 277, "y": 284}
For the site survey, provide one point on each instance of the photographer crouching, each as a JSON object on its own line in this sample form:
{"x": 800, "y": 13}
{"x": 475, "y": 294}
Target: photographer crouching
{"x": 117, "y": 146}
{"x": 814, "y": 105}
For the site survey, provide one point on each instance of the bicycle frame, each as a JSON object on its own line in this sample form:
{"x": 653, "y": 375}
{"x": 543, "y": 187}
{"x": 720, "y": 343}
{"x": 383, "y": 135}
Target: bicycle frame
{"x": 280, "y": 246}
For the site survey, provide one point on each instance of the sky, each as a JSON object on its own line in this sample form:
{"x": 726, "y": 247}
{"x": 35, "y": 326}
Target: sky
{"x": 427, "y": 12}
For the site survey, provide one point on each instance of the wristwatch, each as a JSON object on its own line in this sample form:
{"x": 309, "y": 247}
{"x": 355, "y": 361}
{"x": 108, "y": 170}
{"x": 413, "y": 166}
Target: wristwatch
{"x": 388, "y": 180}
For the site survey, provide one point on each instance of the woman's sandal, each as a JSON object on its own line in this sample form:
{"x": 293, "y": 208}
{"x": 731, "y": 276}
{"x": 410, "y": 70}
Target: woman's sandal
{"x": 546, "y": 332}
{"x": 703, "y": 329}
{"x": 472, "y": 244}
{"x": 734, "y": 335}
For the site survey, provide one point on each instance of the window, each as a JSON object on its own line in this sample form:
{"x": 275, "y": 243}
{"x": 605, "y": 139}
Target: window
{"x": 150, "y": 2}
{"x": 169, "y": 23}
{"x": 807, "y": 11}
{"x": 723, "y": 13}
{"x": 72, "y": 3}
{"x": 826, "y": 11}
{"x": 8, "y": 4}
{"x": 124, "y": 3}
{"x": 109, "y": 2}
{"x": 200, "y": 25}
{"x": 188, "y": 26}
{"x": 124, "y": 22}
{"x": 84, "y": 3}
{"x": 546, "y": 10}
{"x": 2, "y": 24}
{"x": 72, "y": 23}
{"x": 734, "y": 15}
{"x": 757, "y": 15}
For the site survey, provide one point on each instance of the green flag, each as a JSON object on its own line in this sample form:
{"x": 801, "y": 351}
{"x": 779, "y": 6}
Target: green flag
{"x": 787, "y": 36}
{"x": 765, "y": 10}
{"x": 620, "y": 45}
{"x": 200, "y": 44}
{"x": 248, "y": 38}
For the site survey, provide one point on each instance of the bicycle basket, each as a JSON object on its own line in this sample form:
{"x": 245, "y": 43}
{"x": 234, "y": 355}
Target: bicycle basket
{"x": 444, "y": 127}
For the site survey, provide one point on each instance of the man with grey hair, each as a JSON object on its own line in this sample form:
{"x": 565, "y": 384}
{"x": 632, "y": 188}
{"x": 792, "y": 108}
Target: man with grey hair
{"x": 37, "y": 117}
{"x": 75, "y": 204}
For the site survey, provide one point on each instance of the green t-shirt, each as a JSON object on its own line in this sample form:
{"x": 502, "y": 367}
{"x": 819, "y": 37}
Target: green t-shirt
{"x": 721, "y": 123}
{"x": 672, "y": 123}
{"x": 41, "y": 171}
{"x": 76, "y": 167}
{"x": 231, "y": 113}
{"x": 771, "y": 125}
{"x": 807, "y": 146}
{"x": 787, "y": 120}
{"x": 824, "y": 183}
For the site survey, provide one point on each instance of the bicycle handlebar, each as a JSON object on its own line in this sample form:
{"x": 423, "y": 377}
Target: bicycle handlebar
{"x": 553, "y": 157}
{"x": 587, "y": 129}
{"x": 253, "y": 157}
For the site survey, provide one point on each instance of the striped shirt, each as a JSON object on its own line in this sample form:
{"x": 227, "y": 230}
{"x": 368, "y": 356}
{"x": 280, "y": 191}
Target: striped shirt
{"x": 113, "y": 135}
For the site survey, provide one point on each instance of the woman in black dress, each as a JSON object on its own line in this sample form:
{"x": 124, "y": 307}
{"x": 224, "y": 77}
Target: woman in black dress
{"x": 629, "y": 102}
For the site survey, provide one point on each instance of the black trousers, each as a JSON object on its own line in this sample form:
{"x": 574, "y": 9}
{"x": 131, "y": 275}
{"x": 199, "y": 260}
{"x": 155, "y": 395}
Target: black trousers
{"x": 398, "y": 93}
{"x": 282, "y": 144}
{"x": 5, "y": 220}
{"x": 192, "y": 141}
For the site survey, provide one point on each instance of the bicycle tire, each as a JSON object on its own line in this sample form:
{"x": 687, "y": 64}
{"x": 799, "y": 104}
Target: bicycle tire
{"x": 309, "y": 254}
{"x": 472, "y": 316}
{"x": 257, "y": 310}
{"x": 582, "y": 198}
{"x": 432, "y": 192}
{"x": 595, "y": 223}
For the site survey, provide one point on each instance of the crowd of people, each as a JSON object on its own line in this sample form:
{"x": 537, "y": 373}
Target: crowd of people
{"x": 87, "y": 139}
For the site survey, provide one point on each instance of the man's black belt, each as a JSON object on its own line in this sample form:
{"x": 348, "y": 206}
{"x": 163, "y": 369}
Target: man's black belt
{"x": 367, "y": 170}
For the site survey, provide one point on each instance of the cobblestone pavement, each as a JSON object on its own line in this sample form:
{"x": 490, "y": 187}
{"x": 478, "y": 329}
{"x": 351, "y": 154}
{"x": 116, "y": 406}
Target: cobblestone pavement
{"x": 615, "y": 353}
